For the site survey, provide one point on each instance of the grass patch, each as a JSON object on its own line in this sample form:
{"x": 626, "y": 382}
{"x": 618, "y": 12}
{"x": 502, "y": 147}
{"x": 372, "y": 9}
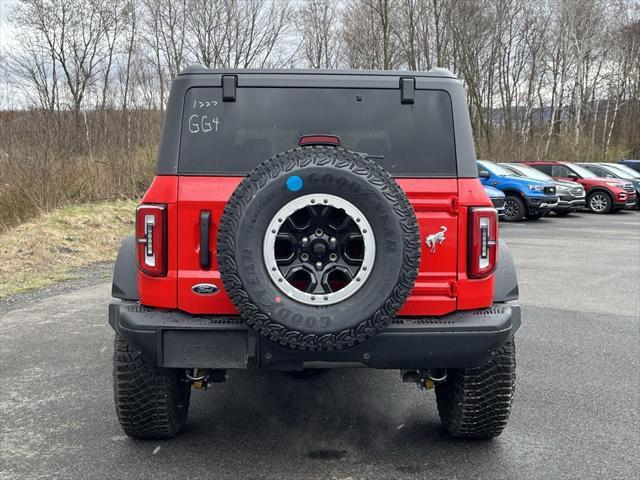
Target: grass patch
{"x": 49, "y": 248}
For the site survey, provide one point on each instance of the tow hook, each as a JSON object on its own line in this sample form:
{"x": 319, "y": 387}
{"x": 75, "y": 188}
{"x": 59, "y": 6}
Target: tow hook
{"x": 424, "y": 378}
{"x": 202, "y": 378}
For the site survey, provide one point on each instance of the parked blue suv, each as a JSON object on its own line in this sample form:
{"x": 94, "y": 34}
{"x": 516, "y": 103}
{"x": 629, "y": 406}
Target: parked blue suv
{"x": 524, "y": 197}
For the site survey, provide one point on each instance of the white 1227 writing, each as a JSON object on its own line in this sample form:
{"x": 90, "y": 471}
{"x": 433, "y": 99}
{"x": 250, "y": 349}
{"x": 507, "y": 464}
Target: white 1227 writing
{"x": 203, "y": 123}
{"x": 204, "y": 103}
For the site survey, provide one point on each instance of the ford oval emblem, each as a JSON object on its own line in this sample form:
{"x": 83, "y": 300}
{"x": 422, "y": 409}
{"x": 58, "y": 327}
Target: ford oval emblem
{"x": 204, "y": 289}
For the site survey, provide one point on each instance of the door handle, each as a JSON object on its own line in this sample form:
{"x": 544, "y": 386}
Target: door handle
{"x": 205, "y": 226}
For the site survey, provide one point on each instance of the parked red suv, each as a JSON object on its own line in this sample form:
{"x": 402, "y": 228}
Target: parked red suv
{"x": 604, "y": 195}
{"x": 308, "y": 220}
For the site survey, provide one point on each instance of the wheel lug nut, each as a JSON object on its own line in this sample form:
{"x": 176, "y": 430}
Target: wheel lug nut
{"x": 305, "y": 240}
{"x": 319, "y": 232}
{"x": 318, "y": 265}
{"x": 332, "y": 240}
{"x": 304, "y": 257}
{"x": 333, "y": 257}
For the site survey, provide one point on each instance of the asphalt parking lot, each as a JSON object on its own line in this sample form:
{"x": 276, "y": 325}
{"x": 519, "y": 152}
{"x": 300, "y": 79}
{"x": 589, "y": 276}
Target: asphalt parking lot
{"x": 575, "y": 414}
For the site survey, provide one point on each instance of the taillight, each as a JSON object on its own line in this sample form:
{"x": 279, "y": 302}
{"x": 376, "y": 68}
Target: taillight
{"x": 151, "y": 239}
{"x": 483, "y": 241}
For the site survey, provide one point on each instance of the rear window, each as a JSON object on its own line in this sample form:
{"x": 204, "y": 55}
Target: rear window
{"x": 231, "y": 138}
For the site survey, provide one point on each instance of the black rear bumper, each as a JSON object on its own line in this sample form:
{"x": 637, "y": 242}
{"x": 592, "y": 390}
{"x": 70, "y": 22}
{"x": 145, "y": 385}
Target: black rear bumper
{"x": 174, "y": 339}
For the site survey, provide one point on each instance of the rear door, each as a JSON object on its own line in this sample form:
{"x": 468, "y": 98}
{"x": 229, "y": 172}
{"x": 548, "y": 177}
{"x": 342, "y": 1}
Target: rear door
{"x": 222, "y": 140}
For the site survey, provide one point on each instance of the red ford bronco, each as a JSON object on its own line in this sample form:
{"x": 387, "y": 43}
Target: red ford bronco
{"x": 307, "y": 220}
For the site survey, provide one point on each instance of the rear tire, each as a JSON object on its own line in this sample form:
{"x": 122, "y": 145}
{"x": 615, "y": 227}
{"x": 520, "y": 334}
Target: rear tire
{"x": 151, "y": 403}
{"x": 599, "y": 202}
{"x": 514, "y": 208}
{"x": 476, "y": 402}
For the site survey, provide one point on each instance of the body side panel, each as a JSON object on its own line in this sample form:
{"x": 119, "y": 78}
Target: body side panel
{"x": 161, "y": 291}
{"x": 435, "y": 203}
{"x": 472, "y": 293}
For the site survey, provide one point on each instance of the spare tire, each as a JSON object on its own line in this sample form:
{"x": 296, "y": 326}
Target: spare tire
{"x": 318, "y": 248}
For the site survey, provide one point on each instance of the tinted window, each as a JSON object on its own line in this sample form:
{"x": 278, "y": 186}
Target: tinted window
{"x": 597, "y": 170}
{"x": 499, "y": 170}
{"x": 559, "y": 171}
{"x": 514, "y": 171}
{"x": 621, "y": 173}
{"x": 233, "y": 137}
{"x": 583, "y": 172}
{"x": 628, "y": 170}
{"x": 543, "y": 168}
{"x": 530, "y": 172}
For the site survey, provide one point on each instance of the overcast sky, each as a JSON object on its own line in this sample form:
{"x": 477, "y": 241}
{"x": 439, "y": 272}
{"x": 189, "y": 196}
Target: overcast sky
{"x": 6, "y": 35}
{"x": 7, "y": 38}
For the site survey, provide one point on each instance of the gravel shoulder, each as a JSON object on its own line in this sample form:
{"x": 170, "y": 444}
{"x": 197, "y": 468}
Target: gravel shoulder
{"x": 95, "y": 274}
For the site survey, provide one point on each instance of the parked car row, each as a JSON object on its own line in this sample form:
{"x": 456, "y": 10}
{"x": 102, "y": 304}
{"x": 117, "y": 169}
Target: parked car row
{"x": 534, "y": 189}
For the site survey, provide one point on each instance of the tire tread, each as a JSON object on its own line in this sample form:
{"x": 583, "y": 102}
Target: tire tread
{"x": 476, "y": 402}
{"x": 151, "y": 403}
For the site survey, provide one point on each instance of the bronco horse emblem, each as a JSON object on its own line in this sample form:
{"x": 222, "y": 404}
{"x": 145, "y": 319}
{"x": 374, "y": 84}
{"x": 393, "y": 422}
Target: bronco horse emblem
{"x": 436, "y": 239}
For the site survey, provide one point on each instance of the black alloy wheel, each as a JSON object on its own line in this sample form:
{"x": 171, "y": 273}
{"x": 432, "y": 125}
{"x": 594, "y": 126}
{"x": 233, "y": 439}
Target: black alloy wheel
{"x": 514, "y": 209}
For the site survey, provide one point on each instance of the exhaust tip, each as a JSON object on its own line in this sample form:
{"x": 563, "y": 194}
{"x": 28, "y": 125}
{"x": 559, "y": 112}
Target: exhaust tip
{"x": 437, "y": 375}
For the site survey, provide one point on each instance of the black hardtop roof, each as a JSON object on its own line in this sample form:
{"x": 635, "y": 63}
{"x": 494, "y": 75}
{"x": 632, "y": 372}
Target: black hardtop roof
{"x": 201, "y": 70}
{"x": 197, "y": 76}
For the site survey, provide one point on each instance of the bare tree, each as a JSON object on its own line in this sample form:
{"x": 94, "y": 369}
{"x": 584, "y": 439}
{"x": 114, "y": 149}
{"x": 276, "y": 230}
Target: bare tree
{"x": 165, "y": 28}
{"x": 408, "y": 31}
{"x": 114, "y": 20}
{"x": 207, "y": 29}
{"x": 130, "y": 13}
{"x": 535, "y": 35}
{"x": 368, "y": 32}
{"x": 73, "y": 32}
{"x": 474, "y": 56}
{"x": 254, "y": 29}
{"x": 318, "y": 26}
{"x": 35, "y": 67}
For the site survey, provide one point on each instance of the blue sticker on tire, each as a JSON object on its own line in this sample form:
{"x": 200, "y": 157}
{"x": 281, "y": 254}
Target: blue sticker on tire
{"x": 294, "y": 183}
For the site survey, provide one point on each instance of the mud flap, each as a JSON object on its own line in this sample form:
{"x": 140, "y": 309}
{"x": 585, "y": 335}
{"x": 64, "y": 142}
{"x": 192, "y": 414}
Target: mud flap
{"x": 506, "y": 279}
{"x": 125, "y": 272}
